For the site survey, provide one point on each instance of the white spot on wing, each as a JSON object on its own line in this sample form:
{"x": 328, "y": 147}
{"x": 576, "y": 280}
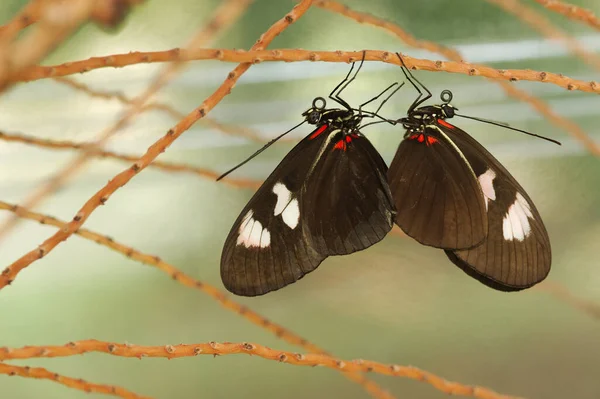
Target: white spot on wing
{"x": 252, "y": 234}
{"x": 486, "y": 181}
{"x": 283, "y": 197}
{"x": 515, "y": 225}
{"x": 286, "y": 206}
{"x": 291, "y": 214}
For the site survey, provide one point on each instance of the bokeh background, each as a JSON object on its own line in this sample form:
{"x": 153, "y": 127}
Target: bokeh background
{"x": 397, "y": 302}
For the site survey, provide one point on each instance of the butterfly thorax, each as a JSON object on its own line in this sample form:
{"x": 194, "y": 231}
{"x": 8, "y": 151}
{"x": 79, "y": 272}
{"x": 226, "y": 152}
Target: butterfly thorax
{"x": 418, "y": 120}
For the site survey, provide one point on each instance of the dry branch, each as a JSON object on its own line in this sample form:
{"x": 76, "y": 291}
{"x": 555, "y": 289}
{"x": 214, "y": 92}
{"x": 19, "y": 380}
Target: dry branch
{"x": 75, "y": 383}
{"x": 543, "y": 25}
{"x": 206, "y": 288}
{"x": 226, "y": 128}
{"x": 100, "y": 198}
{"x": 224, "y": 16}
{"x": 57, "y": 20}
{"x": 572, "y": 11}
{"x": 295, "y": 55}
{"x": 570, "y": 127}
{"x": 564, "y": 295}
{"x": 228, "y": 348}
{"x": 96, "y": 152}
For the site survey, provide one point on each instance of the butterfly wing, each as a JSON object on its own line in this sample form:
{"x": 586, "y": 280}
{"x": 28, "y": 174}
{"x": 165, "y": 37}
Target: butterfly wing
{"x": 328, "y": 196}
{"x": 516, "y": 253}
{"x": 437, "y": 197}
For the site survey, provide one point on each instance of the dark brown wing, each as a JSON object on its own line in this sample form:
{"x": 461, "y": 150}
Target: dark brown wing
{"x": 516, "y": 253}
{"x": 437, "y": 197}
{"x": 328, "y": 196}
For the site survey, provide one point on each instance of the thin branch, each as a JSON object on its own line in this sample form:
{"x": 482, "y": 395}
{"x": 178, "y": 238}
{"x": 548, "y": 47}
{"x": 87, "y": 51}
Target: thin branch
{"x": 75, "y": 383}
{"x": 218, "y": 22}
{"x": 27, "y": 16}
{"x": 228, "y": 348}
{"x": 188, "y": 281}
{"x": 100, "y": 198}
{"x": 99, "y": 153}
{"x": 572, "y": 11}
{"x": 543, "y": 25}
{"x": 570, "y": 127}
{"x": 110, "y": 14}
{"x": 564, "y": 295}
{"x": 57, "y": 20}
{"x": 226, "y": 128}
{"x": 295, "y": 55}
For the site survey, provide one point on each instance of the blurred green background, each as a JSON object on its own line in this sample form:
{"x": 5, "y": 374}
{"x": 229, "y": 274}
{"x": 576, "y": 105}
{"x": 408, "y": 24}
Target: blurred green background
{"x": 396, "y": 302}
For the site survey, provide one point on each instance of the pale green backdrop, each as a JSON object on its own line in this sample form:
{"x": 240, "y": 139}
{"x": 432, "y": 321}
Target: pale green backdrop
{"x": 396, "y": 302}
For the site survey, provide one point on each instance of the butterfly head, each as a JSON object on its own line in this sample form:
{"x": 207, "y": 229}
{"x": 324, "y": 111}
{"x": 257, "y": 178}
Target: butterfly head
{"x": 423, "y": 116}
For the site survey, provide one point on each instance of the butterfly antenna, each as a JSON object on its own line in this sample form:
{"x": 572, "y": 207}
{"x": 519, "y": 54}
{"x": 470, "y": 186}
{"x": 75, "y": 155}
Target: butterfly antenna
{"x": 507, "y": 126}
{"x": 258, "y": 152}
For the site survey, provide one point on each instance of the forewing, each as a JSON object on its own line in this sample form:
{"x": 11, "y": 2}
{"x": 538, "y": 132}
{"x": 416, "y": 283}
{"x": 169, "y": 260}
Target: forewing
{"x": 516, "y": 253}
{"x": 347, "y": 199}
{"x": 438, "y": 199}
{"x": 293, "y": 221}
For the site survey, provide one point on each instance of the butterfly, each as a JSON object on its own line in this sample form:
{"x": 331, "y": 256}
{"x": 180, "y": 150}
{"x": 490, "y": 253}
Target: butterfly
{"x": 451, "y": 193}
{"x": 328, "y": 196}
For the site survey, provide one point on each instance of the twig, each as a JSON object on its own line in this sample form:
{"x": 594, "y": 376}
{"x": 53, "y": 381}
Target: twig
{"x": 572, "y": 11}
{"x": 56, "y": 22}
{"x": 294, "y": 55}
{"x": 75, "y": 383}
{"x": 100, "y": 198}
{"x": 206, "y": 288}
{"x": 451, "y": 54}
{"x": 226, "y": 128}
{"x": 27, "y": 16}
{"x": 228, "y": 348}
{"x": 543, "y": 25}
{"x": 564, "y": 295}
{"x": 96, "y": 152}
{"x": 218, "y": 21}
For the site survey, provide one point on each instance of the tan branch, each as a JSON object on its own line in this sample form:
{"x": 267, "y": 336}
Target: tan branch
{"x": 188, "y": 281}
{"x": 57, "y": 20}
{"x": 75, "y": 383}
{"x": 228, "y": 348}
{"x": 572, "y": 11}
{"x": 226, "y": 128}
{"x": 218, "y": 22}
{"x": 543, "y": 25}
{"x": 543, "y": 108}
{"x": 564, "y": 295}
{"x": 99, "y": 153}
{"x": 295, "y": 55}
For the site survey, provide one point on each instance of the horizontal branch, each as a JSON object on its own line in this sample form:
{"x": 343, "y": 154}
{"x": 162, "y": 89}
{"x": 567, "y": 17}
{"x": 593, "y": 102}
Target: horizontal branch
{"x": 542, "y": 107}
{"x": 228, "y": 348}
{"x": 213, "y": 292}
{"x": 101, "y": 197}
{"x": 75, "y": 383}
{"x": 99, "y": 153}
{"x": 572, "y": 11}
{"x": 294, "y": 55}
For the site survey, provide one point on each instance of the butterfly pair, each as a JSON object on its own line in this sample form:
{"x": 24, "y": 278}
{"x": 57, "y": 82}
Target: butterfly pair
{"x": 333, "y": 194}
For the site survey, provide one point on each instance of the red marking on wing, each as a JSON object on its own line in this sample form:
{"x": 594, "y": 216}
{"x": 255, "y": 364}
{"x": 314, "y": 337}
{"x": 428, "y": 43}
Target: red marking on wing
{"x": 340, "y": 145}
{"x": 421, "y": 138}
{"x": 317, "y": 132}
{"x": 431, "y": 140}
{"x": 348, "y": 139}
{"x": 444, "y": 123}
{"x": 413, "y": 137}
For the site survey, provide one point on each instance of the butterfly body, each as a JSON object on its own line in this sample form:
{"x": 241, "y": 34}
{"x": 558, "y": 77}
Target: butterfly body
{"x": 451, "y": 193}
{"x": 328, "y": 196}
